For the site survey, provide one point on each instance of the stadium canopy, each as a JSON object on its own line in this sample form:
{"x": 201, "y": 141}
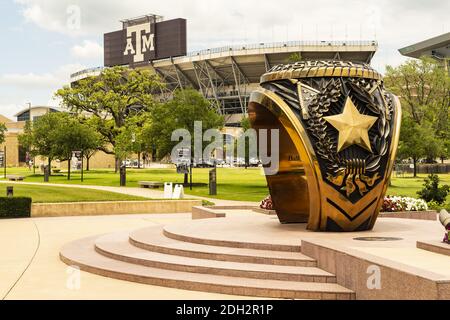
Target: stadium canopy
{"x": 226, "y": 76}
{"x": 437, "y": 47}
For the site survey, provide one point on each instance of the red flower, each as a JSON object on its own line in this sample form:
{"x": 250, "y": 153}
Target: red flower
{"x": 267, "y": 203}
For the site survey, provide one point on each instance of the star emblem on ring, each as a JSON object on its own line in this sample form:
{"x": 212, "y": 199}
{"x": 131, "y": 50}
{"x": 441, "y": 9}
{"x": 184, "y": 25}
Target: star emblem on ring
{"x": 353, "y": 127}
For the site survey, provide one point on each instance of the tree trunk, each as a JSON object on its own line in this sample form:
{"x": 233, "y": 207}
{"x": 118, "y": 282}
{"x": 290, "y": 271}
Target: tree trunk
{"x": 49, "y": 166}
{"x": 116, "y": 169}
{"x": 88, "y": 158}
{"x": 68, "y": 168}
{"x": 139, "y": 160}
{"x": 415, "y": 167}
{"x": 186, "y": 179}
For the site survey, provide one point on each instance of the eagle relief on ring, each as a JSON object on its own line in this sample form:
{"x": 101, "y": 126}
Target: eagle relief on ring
{"x": 349, "y": 123}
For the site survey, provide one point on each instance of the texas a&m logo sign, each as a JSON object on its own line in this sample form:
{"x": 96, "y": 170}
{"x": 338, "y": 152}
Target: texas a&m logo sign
{"x": 140, "y": 42}
{"x": 143, "y": 39}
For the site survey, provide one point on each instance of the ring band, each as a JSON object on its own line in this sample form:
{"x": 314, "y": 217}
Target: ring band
{"x": 339, "y": 130}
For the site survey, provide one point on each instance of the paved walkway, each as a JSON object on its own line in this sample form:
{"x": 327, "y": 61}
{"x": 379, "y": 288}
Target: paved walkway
{"x": 139, "y": 192}
{"x": 30, "y": 267}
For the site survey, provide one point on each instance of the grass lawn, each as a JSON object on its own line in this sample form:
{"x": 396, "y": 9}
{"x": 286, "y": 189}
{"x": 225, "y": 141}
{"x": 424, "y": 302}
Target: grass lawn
{"x": 49, "y": 194}
{"x": 232, "y": 183}
{"x": 409, "y": 186}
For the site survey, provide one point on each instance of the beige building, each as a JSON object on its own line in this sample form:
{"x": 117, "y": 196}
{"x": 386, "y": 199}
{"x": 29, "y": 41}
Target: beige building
{"x": 11, "y": 141}
{"x": 16, "y": 156}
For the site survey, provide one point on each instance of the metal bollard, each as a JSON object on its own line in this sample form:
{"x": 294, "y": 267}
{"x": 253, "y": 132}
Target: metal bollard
{"x": 47, "y": 173}
{"x": 123, "y": 176}
{"x": 213, "y": 182}
{"x": 10, "y": 192}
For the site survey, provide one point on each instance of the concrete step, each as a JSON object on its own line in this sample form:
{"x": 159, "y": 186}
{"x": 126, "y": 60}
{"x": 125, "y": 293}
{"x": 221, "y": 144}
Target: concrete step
{"x": 82, "y": 253}
{"x": 214, "y": 238}
{"x": 117, "y": 246}
{"x": 152, "y": 239}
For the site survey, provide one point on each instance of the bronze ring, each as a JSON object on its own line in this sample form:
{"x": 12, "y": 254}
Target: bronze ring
{"x": 339, "y": 130}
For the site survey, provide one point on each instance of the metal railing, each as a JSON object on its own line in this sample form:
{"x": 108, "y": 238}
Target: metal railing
{"x": 437, "y": 168}
{"x": 286, "y": 44}
{"x": 86, "y": 71}
{"x": 273, "y": 45}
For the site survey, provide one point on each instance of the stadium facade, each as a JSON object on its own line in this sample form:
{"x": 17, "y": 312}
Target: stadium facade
{"x": 227, "y": 75}
{"x": 437, "y": 48}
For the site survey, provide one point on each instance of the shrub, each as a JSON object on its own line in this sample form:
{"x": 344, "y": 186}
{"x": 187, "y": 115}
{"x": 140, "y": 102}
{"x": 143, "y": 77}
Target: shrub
{"x": 432, "y": 192}
{"x": 15, "y": 207}
{"x": 433, "y": 205}
{"x": 206, "y": 203}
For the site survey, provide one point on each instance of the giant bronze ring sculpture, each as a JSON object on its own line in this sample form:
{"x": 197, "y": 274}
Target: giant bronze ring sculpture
{"x": 339, "y": 132}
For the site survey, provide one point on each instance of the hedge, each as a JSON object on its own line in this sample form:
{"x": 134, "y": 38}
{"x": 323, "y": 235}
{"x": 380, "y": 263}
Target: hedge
{"x": 15, "y": 207}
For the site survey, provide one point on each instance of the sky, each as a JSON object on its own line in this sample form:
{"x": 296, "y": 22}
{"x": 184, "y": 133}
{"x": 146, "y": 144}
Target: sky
{"x": 44, "y": 41}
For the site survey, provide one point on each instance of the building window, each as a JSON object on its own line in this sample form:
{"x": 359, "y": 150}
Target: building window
{"x": 22, "y": 154}
{"x": 25, "y": 116}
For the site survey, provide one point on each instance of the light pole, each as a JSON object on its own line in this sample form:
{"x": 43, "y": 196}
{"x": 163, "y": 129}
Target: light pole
{"x": 4, "y": 162}
{"x": 29, "y": 147}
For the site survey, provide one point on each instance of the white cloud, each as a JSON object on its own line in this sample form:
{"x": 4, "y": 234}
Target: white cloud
{"x": 217, "y": 23}
{"x": 9, "y": 110}
{"x": 88, "y": 50}
{"x": 47, "y": 16}
{"x": 394, "y": 24}
{"x": 28, "y": 80}
{"x": 38, "y": 88}
{"x": 54, "y": 79}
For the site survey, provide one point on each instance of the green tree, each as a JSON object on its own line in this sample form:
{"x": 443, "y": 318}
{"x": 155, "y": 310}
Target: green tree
{"x": 72, "y": 135}
{"x": 417, "y": 142}
{"x": 245, "y": 123}
{"x": 130, "y": 141}
{"x": 56, "y": 135}
{"x": 2, "y": 132}
{"x": 424, "y": 87}
{"x": 116, "y": 95}
{"x": 243, "y": 139}
{"x": 96, "y": 140}
{"x": 40, "y": 138}
{"x": 295, "y": 57}
{"x": 26, "y": 138}
{"x": 186, "y": 107}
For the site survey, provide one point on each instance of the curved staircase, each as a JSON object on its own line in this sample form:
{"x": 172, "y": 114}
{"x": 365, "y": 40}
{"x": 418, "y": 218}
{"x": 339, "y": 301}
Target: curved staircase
{"x": 167, "y": 257}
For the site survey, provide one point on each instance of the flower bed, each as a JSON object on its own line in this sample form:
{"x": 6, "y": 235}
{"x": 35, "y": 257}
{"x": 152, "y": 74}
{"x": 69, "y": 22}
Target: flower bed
{"x": 393, "y": 207}
{"x": 403, "y": 204}
{"x": 406, "y": 208}
{"x": 267, "y": 204}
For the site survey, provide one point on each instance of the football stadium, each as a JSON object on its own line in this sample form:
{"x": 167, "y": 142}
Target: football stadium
{"x": 225, "y": 76}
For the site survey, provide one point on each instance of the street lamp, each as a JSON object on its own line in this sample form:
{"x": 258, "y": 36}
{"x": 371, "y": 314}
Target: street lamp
{"x": 29, "y": 147}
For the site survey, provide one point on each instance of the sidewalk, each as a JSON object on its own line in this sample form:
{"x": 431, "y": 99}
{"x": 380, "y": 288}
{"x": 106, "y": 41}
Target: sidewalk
{"x": 30, "y": 267}
{"x": 139, "y": 192}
